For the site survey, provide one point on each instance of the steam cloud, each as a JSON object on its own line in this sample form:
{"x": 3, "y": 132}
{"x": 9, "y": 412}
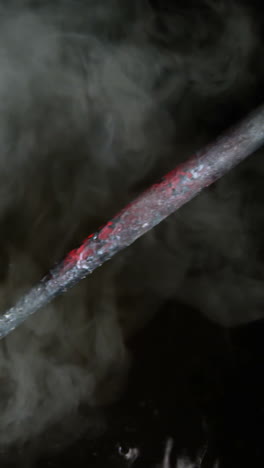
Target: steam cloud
{"x": 97, "y": 98}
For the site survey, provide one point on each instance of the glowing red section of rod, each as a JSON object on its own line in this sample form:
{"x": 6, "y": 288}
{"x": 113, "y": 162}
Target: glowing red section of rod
{"x": 149, "y": 209}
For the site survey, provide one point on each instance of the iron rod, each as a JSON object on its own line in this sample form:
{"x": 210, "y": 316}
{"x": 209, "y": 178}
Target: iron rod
{"x": 149, "y": 209}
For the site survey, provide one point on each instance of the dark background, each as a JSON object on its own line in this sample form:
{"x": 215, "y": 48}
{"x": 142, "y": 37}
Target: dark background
{"x": 191, "y": 380}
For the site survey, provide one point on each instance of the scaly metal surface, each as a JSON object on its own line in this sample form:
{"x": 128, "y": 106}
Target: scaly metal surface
{"x": 149, "y": 209}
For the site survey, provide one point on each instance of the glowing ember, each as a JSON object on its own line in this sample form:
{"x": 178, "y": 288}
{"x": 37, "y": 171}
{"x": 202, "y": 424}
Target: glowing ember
{"x": 155, "y": 204}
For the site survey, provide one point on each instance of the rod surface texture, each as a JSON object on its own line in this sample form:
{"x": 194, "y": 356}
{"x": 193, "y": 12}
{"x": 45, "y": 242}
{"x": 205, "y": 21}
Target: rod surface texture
{"x": 149, "y": 209}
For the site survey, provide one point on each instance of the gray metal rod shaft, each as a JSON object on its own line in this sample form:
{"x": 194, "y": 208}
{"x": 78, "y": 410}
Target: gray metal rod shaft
{"x": 149, "y": 209}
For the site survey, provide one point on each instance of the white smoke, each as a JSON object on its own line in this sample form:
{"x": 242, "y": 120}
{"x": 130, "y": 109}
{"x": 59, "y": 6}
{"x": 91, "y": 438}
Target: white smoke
{"x": 96, "y": 99}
